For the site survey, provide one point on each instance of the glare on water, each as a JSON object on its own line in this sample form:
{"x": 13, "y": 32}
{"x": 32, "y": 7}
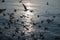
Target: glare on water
{"x": 28, "y": 20}
{"x": 31, "y": 22}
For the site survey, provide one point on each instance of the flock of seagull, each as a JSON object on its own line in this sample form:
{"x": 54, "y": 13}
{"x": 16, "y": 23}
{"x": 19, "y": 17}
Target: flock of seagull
{"x": 10, "y": 22}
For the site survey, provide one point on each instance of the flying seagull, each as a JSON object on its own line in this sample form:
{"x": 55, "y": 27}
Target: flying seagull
{"x": 1, "y": 10}
{"x": 26, "y": 8}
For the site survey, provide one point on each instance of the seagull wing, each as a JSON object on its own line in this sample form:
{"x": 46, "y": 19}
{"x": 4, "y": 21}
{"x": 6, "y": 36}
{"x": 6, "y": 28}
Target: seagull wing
{"x": 25, "y": 7}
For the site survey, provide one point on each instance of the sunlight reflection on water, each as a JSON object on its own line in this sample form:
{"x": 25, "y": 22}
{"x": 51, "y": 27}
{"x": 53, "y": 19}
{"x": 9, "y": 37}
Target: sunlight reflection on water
{"x": 28, "y": 20}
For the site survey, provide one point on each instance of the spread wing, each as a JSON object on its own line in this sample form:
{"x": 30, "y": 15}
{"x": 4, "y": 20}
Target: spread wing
{"x": 25, "y": 7}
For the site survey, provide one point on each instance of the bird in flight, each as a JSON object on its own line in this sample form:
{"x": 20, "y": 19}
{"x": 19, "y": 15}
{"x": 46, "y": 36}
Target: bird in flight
{"x": 1, "y": 10}
{"x": 26, "y": 8}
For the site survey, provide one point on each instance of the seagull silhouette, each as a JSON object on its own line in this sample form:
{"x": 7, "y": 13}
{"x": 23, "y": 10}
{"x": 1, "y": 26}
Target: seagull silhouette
{"x": 47, "y": 3}
{"x": 26, "y": 8}
{"x": 3, "y": 0}
{"x": 1, "y": 10}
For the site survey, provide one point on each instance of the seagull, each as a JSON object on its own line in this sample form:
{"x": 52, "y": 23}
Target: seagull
{"x": 42, "y": 21}
{"x": 38, "y": 16}
{"x": 47, "y": 3}
{"x": 54, "y": 16}
{"x": 0, "y": 32}
{"x": 58, "y": 25}
{"x": 3, "y": 0}
{"x": 49, "y": 20}
{"x": 17, "y": 30}
{"x": 26, "y": 8}
{"x": 6, "y": 27}
{"x": 1, "y": 10}
{"x": 15, "y": 10}
{"x": 4, "y": 14}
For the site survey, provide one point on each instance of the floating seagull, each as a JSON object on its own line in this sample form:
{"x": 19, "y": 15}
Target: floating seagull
{"x": 18, "y": 37}
{"x": 1, "y": 10}
{"x": 3, "y": 23}
{"x": 4, "y": 14}
{"x": 45, "y": 28}
{"x": 3, "y": 0}
{"x": 17, "y": 30}
{"x": 39, "y": 26}
{"x": 35, "y": 38}
{"x": 54, "y": 16}
{"x": 15, "y": 10}
{"x": 49, "y": 20}
{"x": 6, "y": 27}
{"x": 13, "y": 35}
{"x": 58, "y": 25}
{"x": 26, "y": 8}
{"x": 32, "y": 35}
{"x": 47, "y": 3}
{"x": 38, "y": 16}
{"x": 42, "y": 21}
{"x": 1, "y": 32}
{"x": 22, "y": 33}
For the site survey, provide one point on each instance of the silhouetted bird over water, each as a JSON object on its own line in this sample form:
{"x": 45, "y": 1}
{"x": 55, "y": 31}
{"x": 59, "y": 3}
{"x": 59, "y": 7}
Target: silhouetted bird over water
{"x": 15, "y": 10}
{"x": 17, "y": 30}
{"x": 13, "y": 35}
{"x": 39, "y": 26}
{"x": 0, "y": 32}
{"x": 4, "y": 14}
{"x": 1, "y": 10}
{"x": 47, "y": 3}
{"x": 6, "y": 27}
{"x": 3, "y": 0}
{"x": 58, "y": 25}
{"x": 42, "y": 21}
{"x": 54, "y": 16}
{"x": 26, "y": 8}
{"x": 38, "y": 16}
{"x": 49, "y": 20}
